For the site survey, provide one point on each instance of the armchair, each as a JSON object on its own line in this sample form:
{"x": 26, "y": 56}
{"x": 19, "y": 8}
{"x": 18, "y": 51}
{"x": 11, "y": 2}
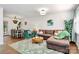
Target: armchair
{"x": 29, "y": 34}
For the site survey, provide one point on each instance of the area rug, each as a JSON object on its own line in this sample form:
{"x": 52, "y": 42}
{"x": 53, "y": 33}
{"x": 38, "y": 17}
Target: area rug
{"x": 27, "y": 47}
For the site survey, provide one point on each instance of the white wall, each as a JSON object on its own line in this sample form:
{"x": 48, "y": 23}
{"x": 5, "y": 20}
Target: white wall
{"x": 41, "y": 21}
{"x": 1, "y": 25}
{"x": 58, "y": 19}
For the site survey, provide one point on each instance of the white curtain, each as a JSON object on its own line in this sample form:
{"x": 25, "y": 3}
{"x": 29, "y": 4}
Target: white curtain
{"x": 76, "y": 25}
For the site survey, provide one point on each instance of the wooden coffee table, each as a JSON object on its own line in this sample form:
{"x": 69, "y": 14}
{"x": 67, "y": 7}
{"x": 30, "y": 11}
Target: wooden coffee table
{"x": 37, "y": 39}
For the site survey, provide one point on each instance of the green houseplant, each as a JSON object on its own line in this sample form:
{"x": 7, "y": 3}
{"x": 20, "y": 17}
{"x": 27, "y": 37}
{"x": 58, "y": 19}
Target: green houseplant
{"x": 68, "y": 26}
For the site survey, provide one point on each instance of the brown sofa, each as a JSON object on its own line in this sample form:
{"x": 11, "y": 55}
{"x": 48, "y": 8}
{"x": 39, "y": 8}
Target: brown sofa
{"x": 45, "y": 36}
{"x": 58, "y": 45}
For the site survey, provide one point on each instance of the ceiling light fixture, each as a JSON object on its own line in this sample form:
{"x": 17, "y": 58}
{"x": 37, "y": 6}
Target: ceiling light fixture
{"x": 43, "y": 11}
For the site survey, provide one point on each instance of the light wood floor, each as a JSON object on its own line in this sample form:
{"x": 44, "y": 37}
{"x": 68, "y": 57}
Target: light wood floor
{"x": 6, "y": 48}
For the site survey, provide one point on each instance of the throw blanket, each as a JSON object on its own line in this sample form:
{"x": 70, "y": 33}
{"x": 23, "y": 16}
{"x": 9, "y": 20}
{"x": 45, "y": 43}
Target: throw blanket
{"x": 62, "y": 35}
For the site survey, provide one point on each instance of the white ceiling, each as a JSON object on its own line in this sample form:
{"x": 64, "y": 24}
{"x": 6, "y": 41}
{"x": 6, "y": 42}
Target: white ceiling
{"x": 32, "y": 9}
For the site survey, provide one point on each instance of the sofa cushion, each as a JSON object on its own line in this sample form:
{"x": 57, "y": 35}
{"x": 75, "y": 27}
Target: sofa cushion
{"x": 63, "y": 42}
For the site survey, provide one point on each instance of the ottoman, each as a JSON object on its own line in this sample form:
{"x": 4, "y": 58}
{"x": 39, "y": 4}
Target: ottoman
{"x": 58, "y": 45}
{"x": 37, "y": 39}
